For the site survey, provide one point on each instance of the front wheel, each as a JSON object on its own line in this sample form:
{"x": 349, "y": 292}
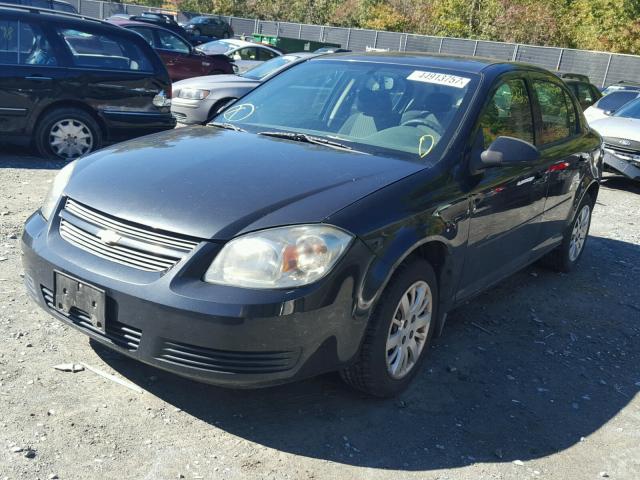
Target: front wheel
{"x": 566, "y": 256}
{"x": 399, "y": 333}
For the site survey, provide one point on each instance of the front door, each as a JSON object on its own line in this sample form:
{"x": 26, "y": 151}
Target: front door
{"x": 506, "y": 202}
{"x": 180, "y": 59}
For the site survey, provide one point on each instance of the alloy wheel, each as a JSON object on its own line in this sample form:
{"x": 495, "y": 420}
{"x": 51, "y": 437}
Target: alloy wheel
{"x": 408, "y": 330}
{"x": 70, "y": 138}
{"x": 579, "y": 233}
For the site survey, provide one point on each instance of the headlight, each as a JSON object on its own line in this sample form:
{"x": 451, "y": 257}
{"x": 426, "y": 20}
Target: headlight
{"x": 56, "y": 189}
{"x": 193, "y": 93}
{"x": 280, "y": 257}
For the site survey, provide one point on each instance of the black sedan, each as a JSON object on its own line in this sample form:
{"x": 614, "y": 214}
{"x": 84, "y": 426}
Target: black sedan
{"x": 328, "y": 220}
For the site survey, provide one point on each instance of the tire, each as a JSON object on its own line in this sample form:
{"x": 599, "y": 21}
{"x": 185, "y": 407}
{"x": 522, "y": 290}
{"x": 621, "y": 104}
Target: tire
{"x": 372, "y": 371}
{"x": 565, "y": 257}
{"x": 83, "y": 134}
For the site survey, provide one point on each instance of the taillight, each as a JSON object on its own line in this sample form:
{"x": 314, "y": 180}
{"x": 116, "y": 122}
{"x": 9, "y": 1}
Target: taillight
{"x": 162, "y": 99}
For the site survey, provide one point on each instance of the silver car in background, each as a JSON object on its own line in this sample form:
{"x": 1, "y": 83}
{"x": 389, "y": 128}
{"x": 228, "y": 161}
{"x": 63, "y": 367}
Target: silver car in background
{"x": 196, "y": 100}
{"x": 609, "y": 104}
{"x": 621, "y": 134}
{"x": 245, "y": 55}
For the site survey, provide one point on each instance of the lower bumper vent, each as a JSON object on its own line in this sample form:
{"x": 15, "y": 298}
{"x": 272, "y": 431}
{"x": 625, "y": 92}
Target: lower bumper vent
{"x": 224, "y": 361}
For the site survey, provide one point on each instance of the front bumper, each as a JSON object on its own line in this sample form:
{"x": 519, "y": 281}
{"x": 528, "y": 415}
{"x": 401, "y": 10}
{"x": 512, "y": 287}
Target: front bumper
{"x": 192, "y": 112}
{"x": 219, "y": 335}
{"x": 623, "y": 164}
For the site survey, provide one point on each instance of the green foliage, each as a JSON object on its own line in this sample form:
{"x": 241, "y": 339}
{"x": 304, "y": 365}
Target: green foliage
{"x": 611, "y": 25}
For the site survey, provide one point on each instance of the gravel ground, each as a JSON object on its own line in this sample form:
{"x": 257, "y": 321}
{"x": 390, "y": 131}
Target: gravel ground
{"x": 537, "y": 378}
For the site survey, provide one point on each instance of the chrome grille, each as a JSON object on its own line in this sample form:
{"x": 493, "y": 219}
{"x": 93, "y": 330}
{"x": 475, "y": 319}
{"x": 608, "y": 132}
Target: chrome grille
{"x": 135, "y": 246}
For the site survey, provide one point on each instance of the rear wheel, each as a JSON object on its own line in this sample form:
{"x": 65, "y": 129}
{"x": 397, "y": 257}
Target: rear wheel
{"x": 67, "y": 133}
{"x": 399, "y": 333}
{"x": 566, "y": 256}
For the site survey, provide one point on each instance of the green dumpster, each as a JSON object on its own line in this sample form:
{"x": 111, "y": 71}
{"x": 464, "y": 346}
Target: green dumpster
{"x": 291, "y": 45}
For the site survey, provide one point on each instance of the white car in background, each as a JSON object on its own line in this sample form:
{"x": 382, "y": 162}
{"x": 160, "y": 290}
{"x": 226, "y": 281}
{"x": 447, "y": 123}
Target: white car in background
{"x": 244, "y": 54}
{"x": 609, "y": 104}
{"x": 621, "y": 134}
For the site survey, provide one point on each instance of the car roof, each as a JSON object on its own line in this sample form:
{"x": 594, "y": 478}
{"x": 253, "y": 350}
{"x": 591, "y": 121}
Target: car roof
{"x": 55, "y": 15}
{"x": 419, "y": 59}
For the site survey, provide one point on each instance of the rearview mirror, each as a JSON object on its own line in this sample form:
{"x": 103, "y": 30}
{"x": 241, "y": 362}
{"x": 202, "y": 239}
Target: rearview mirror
{"x": 504, "y": 152}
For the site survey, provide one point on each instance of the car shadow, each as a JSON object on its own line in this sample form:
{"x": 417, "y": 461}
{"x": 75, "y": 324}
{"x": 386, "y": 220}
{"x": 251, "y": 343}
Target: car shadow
{"x": 619, "y": 182}
{"x": 528, "y": 369}
{"x": 12, "y": 156}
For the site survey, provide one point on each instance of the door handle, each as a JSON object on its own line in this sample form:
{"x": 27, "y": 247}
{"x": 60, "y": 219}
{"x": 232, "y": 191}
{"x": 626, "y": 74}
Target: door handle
{"x": 38, "y": 78}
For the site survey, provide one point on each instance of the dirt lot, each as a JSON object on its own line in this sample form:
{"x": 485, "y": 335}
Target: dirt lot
{"x": 538, "y": 378}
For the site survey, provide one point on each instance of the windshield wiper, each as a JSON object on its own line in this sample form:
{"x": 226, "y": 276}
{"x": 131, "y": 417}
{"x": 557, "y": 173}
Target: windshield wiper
{"x": 228, "y": 126}
{"x": 303, "y": 137}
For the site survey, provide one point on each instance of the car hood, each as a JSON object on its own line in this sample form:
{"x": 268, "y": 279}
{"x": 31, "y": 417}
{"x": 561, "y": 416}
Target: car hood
{"x": 211, "y": 183}
{"x": 214, "y": 81}
{"x": 618, "y": 127}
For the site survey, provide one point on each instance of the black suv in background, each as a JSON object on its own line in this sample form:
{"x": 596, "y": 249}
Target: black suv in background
{"x": 209, "y": 27}
{"x": 159, "y": 19}
{"x": 69, "y": 84}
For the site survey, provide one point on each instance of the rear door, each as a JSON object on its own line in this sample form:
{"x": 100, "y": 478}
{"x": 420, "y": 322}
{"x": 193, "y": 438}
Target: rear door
{"x": 507, "y": 203}
{"x": 108, "y": 71}
{"x": 563, "y": 146}
{"x": 30, "y": 73}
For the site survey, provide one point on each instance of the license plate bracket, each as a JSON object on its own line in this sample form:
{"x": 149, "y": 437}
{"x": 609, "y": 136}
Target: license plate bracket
{"x": 73, "y": 296}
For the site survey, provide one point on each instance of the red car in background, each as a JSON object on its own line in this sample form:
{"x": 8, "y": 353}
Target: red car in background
{"x": 179, "y": 56}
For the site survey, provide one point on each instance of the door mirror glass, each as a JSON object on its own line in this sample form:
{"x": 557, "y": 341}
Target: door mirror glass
{"x": 507, "y": 151}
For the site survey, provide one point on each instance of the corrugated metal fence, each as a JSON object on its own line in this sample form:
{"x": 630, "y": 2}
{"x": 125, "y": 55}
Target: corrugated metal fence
{"x": 602, "y": 68}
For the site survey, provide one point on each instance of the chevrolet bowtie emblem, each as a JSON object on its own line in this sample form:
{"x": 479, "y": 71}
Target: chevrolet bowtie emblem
{"x": 109, "y": 237}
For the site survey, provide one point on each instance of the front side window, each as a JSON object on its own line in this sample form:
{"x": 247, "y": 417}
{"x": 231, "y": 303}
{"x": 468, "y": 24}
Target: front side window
{"x": 169, "y": 41}
{"x": 508, "y": 113}
{"x": 397, "y": 110}
{"x": 104, "y": 51}
{"x": 585, "y": 95}
{"x": 557, "y": 112}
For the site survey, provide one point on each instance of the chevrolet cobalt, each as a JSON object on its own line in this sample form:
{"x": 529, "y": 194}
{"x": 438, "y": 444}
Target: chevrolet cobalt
{"x": 328, "y": 220}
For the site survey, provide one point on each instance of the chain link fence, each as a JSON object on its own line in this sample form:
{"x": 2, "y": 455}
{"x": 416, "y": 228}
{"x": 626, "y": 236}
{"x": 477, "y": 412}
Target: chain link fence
{"x": 602, "y": 68}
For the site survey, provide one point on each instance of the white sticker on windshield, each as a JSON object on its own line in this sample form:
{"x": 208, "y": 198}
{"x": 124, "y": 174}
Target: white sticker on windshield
{"x": 439, "y": 78}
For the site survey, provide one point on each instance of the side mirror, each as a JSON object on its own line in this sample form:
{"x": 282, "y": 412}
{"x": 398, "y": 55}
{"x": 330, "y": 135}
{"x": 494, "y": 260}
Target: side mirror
{"x": 504, "y": 152}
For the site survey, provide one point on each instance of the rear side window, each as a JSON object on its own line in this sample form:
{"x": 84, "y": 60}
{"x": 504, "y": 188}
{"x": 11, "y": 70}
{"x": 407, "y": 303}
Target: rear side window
{"x": 264, "y": 54}
{"x": 33, "y": 49}
{"x": 557, "y": 112}
{"x": 104, "y": 51}
{"x": 615, "y": 100}
{"x": 508, "y": 113}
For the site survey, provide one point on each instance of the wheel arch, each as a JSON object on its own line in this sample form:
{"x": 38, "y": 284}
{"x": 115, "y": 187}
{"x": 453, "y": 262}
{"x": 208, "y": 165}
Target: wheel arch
{"x": 70, "y": 103}
{"x": 434, "y": 250}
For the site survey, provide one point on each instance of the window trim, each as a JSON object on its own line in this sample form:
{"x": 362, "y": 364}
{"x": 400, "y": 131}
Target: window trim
{"x": 578, "y": 128}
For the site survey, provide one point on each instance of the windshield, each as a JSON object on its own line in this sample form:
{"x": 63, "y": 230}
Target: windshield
{"x": 398, "y": 110}
{"x": 615, "y": 100}
{"x": 217, "y": 46}
{"x": 630, "y": 110}
{"x": 269, "y": 67}
{"x": 198, "y": 20}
